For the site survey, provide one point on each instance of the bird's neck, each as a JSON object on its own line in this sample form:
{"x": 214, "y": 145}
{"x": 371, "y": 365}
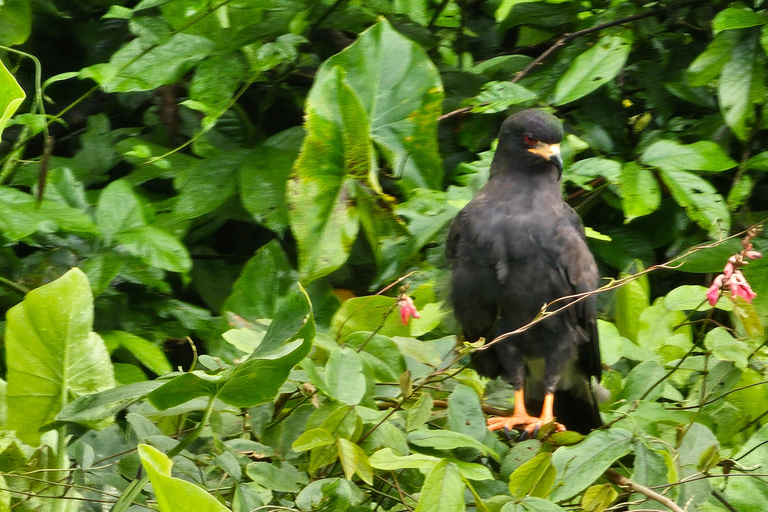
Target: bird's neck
{"x": 545, "y": 179}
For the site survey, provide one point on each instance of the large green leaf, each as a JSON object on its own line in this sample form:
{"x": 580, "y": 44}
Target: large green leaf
{"x": 142, "y": 65}
{"x": 52, "y": 353}
{"x": 580, "y": 465}
{"x": 737, "y": 17}
{"x": 119, "y": 209}
{"x": 335, "y": 153}
{"x": 535, "y": 477}
{"x": 700, "y": 199}
{"x": 11, "y": 93}
{"x": 174, "y": 494}
{"x": 593, "y": 68}
{"x": 263, "y": 176}
{"x": 640, "y": 193}
{"x": 742, "y": 85}
{"x": 156, "y": 247}
{"x": 443, "y": 490}
{"x": 699, "y": 156}
{"x": 264, "y": 279}
{"x": 344, "y": 376}
{"x": 21, "y": 216}
{"x": 401, "y": 91}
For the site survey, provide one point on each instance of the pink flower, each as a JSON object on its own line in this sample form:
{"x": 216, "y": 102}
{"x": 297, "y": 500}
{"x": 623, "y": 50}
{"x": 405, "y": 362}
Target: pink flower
{"x": 733, "y": 278}
{"x": 407, "y": 308}
{"x": 714, "y": 290}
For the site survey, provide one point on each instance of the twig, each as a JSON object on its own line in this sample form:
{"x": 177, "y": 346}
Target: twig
{"x": 719, "y": 497}
{"x": 717, "y": 397}
{"x": 624, "y": 482}
{"x": 573, "y": 35}
{"x": 578, "y": 297}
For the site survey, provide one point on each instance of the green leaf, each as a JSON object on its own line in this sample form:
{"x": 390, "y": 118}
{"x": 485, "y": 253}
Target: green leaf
{"x": 401, "y": 92}
{"x": 737, "y": 17}
{"x": 276, "y": 477}
{"x": 598, "y": 497}
{"x": 206, "y": 185}
{"x": 156, "y": 247}
{"x": 593, "y": 68}
{"x": 335, "y": 153}
{"x": 354, "y": 460}
{"x": 263, "y": 178}
{"x": 344, "y": 376}
{"x": 287, "y": 341}
{"x": 701, "y": 201}
{"x": 499, "y": 96}
{"x": 742, "y": 85}
{"x": 534, "y": 478}
{"x": 578, "y": 466}
{"x": 708, "y": 65}
{"x": 443, "y": 490}
{"x": 640, "y": 193}
{"x": 51, "y": 332}
{"x": 532, "y": 504}
{"x": 613, "y": 346}
{"x": 148, "y": 353}
{"x": 699, "y": 156}
{"x": 725, "y": 347}
{"x": 20, "y": 216}
{"x": 419, "y": 413}
{"x": 119, "y": 210}
{"x": 386, "y": 460}
{"x": 693, "y": 298}
{"x": 368, "y": 314}
{"x": 142, "y": 66}
{"x": 11, "y": 93}
{"x": 91, "y": 410}
{"x": 631, "y": 301}
{"x": 447, "y": 440}
{"x": 263, "y": 281}
{"x": 313, "y": 438}
{"x": 173, "y": 493}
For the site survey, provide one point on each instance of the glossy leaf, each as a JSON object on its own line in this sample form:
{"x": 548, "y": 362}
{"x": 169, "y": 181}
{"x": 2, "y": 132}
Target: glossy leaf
{"x": 11, "y": 93}
{"x": 640, "y": 193}
{"x": 593, "y": 68}
{"x": 699, "y": 156}
{"x": 700, "y": 199}
{"x": 51, "y": 331}
{"x": 534, "y": 478}
{"x": 578, "y": 466}
{"x": 174, "y": 493}
{"x": 443, "y": 490}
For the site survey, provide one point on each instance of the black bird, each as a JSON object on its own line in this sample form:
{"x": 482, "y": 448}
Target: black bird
{"x": 516, "y": 246}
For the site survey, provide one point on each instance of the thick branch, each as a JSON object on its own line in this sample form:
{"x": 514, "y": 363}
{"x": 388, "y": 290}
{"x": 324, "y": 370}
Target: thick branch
{"x": 626, "y": 483}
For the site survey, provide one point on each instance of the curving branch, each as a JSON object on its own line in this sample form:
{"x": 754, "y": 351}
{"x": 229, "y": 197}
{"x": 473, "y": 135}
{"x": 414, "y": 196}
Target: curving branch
{"x": 573, "y": 35}
{"x": 616, "y": 478}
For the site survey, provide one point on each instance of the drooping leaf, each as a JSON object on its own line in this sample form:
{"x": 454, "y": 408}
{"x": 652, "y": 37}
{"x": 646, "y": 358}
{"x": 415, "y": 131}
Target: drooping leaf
{"x": 640, "y": 193}
{"x": 148, "y": 353}
{"x": 580, "y": 465}
{"x": 742, "y": 85}
{"x": 701, "y": 201}
{"x": 401, "y": 92}
{"x": 11, "y": 93}
{"x": 593, "y": 68}
{"x": 354, "y": 460}
{"x": 142, "y": 65}
{"x": 335, "y": 153}
{"x": 443, "y": 490}
{"x": 534, "y": 478}
{"x": 699, "y": 156}
{"x": 51, "y": 332}
{"x": 737, "y": 17}
{"x": 174, "y": 493}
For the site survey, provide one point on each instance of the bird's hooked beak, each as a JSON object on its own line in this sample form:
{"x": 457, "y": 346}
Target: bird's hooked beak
{"x": 550, "y": 152}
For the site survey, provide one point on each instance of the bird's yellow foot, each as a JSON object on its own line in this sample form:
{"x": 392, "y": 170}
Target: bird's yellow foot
{"x": 515, "y": 422}
{"x": 528, "y": 426}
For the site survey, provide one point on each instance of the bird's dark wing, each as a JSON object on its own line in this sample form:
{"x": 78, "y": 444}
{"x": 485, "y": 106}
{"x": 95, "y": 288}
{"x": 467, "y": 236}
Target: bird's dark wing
{"x": 581, "y": 272}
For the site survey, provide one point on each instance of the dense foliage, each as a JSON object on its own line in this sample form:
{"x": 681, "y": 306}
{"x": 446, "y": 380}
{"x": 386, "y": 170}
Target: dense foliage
{"x": 245, "y": 188}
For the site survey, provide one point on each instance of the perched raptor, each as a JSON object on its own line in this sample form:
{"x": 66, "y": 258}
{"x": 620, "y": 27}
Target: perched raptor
{"x": 514, "y": 247}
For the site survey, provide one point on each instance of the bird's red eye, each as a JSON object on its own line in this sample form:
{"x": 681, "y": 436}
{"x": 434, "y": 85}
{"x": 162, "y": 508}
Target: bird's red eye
{"x": 530, "y": 140}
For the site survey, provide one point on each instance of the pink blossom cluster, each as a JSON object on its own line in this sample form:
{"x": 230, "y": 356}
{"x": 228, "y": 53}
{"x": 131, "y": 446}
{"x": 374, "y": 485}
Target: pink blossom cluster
{"x": 733, "y": 279}
{"x": 407, "y": 308}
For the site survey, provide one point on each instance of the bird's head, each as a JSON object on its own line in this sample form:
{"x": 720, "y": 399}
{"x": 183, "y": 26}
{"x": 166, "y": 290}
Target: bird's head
{"x": 530, "y": 138}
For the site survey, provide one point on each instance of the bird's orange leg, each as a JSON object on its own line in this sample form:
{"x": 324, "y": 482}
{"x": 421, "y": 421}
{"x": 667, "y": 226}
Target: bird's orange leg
{"x": 520, "y": 420}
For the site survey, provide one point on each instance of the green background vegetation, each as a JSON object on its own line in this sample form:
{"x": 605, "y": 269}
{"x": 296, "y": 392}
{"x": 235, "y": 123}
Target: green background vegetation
{"x": 242, "y": 186}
